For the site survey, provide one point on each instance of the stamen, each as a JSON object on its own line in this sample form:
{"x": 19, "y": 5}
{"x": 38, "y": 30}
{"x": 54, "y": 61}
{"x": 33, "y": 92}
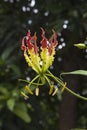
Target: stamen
{"x": 24, "y": 95}
{"x": 51, "y": 89}
{"x": 64, "y": 87}
{"x": 29, "y": 90}
{"x": 56, "y": 90}
{"x": 37, "y": 91}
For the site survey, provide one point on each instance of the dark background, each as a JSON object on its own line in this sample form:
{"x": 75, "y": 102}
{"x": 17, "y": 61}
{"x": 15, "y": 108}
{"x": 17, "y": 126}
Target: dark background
{"x": 61, "y": 112}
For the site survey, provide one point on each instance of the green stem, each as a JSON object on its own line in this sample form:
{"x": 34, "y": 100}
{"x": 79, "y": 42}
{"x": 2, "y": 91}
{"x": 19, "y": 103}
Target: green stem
{"x": 23, "y": 80}
{"x": 66, "y": 88}
{"x": 47, "y": 79}
{"x": 34, "y": 79}
{"x": 55, "y": 78}
{"x": 38, "y": 81}
{"x": 49, "y": 73}
{"x": 30, "y": 82}
{"x": 75, "y": 94}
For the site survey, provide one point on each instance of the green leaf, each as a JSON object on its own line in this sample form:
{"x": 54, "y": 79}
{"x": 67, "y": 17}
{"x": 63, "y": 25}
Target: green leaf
{"x": 78, "y": 129}
{"x": 77, "y": 72}
{"x": 7, "y": 52}
{"x": 1, "y": 62}
{"x": 21, "y": 111}
{"x": 80, "y": 46}
{"x": 10, "y": 104}
{"x": 3, "y": 90}
{"x": 1, "y": 106}
{"x": 15, "y": 69}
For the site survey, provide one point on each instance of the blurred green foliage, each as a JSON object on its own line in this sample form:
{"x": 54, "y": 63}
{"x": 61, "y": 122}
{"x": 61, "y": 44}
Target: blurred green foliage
{"x": 69, "y": 19}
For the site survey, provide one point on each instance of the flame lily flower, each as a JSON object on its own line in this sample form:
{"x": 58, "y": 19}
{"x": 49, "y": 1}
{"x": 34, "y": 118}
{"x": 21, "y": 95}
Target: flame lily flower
{"x": 40, "y": 60}
{"x": 46, "y": 55}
